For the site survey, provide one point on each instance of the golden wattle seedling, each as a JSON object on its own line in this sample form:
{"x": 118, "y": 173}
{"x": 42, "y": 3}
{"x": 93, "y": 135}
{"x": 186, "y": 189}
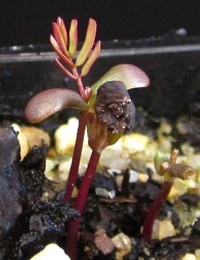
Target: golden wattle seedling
{"x": 106, "y": 109}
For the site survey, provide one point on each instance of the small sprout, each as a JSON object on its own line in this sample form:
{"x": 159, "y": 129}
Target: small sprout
{"x": 167, "y": 167}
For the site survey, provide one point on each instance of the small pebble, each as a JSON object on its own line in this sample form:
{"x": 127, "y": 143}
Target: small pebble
{"x": 179, "y": 188}
{"x": 133, "y": 176}
{"x": 24, "y": 149}
{"x": 105, "y": 193}
{"x": 165, "y": 127}
{"x": 162, "y": 229}
{"x": 181, "y": 127}
{"x": 197, "y": 254}
{"x": 65, "y": 137}
{"x": 51, "y": 252}
{"x": 135, "y": 142}
{"x": 122, "y": 242}
{"x": 120, "y": 162}
{"x": 189, "y": 256}
{"x": 103, "y": 242}
{"x": 35, "y": 136}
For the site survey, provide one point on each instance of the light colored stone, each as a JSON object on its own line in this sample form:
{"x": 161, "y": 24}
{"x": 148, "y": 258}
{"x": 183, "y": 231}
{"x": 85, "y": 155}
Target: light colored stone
{"x": 162, "y": 229}
{"x": 189, "y": 256}
{"x": 179, "y": 188}
{"x": 65, "y": 137}
{"x": 122, "y": 241}
{"x": 105, "y": 193}
{"x": 135, "y": 142}
{"x": 22, "y": 141}
{"x": 165, "y": 127}
{"x": 114, "y": 160}
{"x": 103, "y": 242}
{"x": 182, "y": 128}
{"x": 51, "y": 252}
{"x": 187, "y": 149}
{"x": 197, "y": 254}
{"x": 64, "y": 168}
{"x": 133, "y": 176}
{"x": 35, "y": 136}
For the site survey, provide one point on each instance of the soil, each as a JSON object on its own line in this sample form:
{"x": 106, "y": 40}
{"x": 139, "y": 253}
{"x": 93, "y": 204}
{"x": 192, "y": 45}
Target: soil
{"x": 29, "y": 223}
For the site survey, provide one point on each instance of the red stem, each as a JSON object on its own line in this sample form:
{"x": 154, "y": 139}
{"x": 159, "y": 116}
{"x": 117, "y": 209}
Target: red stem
{"x": 154, "y": 209}
{"x": 72, "y": 237}
{"x": 79, "y": 82}
{"x": 73, "y": 173}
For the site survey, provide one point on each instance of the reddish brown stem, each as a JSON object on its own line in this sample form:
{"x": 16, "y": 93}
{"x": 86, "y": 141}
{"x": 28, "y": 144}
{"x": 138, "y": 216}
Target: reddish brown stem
{"x": 79, "y": 204}
{"x": 73, "y": 173}
{"x": 79, "y": 82}
{"x": 154, "y": 209}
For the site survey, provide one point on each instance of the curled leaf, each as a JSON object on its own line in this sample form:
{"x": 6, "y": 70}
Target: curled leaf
{"x": 88, "y": 43}
{"x": 181, "y": 171}
{"x": 130, "y": 75}
{"x": 51, "y": 101}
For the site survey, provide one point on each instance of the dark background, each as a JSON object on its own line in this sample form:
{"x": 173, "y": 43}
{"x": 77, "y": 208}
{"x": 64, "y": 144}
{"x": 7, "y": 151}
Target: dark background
{"x": 29, "y": 21}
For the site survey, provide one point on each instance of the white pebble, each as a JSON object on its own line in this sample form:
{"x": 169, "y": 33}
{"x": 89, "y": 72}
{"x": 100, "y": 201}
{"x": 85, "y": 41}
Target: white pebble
{"x": 135, "y": 142}
{"x": 189, "y": 256}
{"x": 162, "y": 229}
{"x": 122, "y": 241}
{"x": 133, "y": 176}
{"x": 65, "y": 137}
{"x": 105, "y": 193}
{"x": 51, "y": 252}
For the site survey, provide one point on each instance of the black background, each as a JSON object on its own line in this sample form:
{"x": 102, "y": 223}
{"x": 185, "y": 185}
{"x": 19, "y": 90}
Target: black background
{"x": 29, "y": 22}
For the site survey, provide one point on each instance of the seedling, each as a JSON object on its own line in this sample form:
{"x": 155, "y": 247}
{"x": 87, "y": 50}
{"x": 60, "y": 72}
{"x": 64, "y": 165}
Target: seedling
{"x": 105, "y": 108}
{"x": 167, "y": 167}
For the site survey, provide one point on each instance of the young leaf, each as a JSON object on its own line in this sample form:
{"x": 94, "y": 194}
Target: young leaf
{"x": 130, "y": 75}
{"x": 59, "y": 39}
{"x": 51, "y": 101}
{"x": 95, "y": 54}
{"x": 73, "y": 39}
{"x": 63, "y": 30}
{"x": 159, "y": 160}
{"x": 88, "y": 43}
{"x": 58, "y": 51}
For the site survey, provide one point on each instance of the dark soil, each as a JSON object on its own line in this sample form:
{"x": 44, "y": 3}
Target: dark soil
{"x": 27, "y": 224}
{"x": 124, "y": 215}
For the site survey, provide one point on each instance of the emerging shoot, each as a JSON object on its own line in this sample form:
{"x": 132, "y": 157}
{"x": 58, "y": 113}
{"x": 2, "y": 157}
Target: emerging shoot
{"x": 166, "y": 166}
